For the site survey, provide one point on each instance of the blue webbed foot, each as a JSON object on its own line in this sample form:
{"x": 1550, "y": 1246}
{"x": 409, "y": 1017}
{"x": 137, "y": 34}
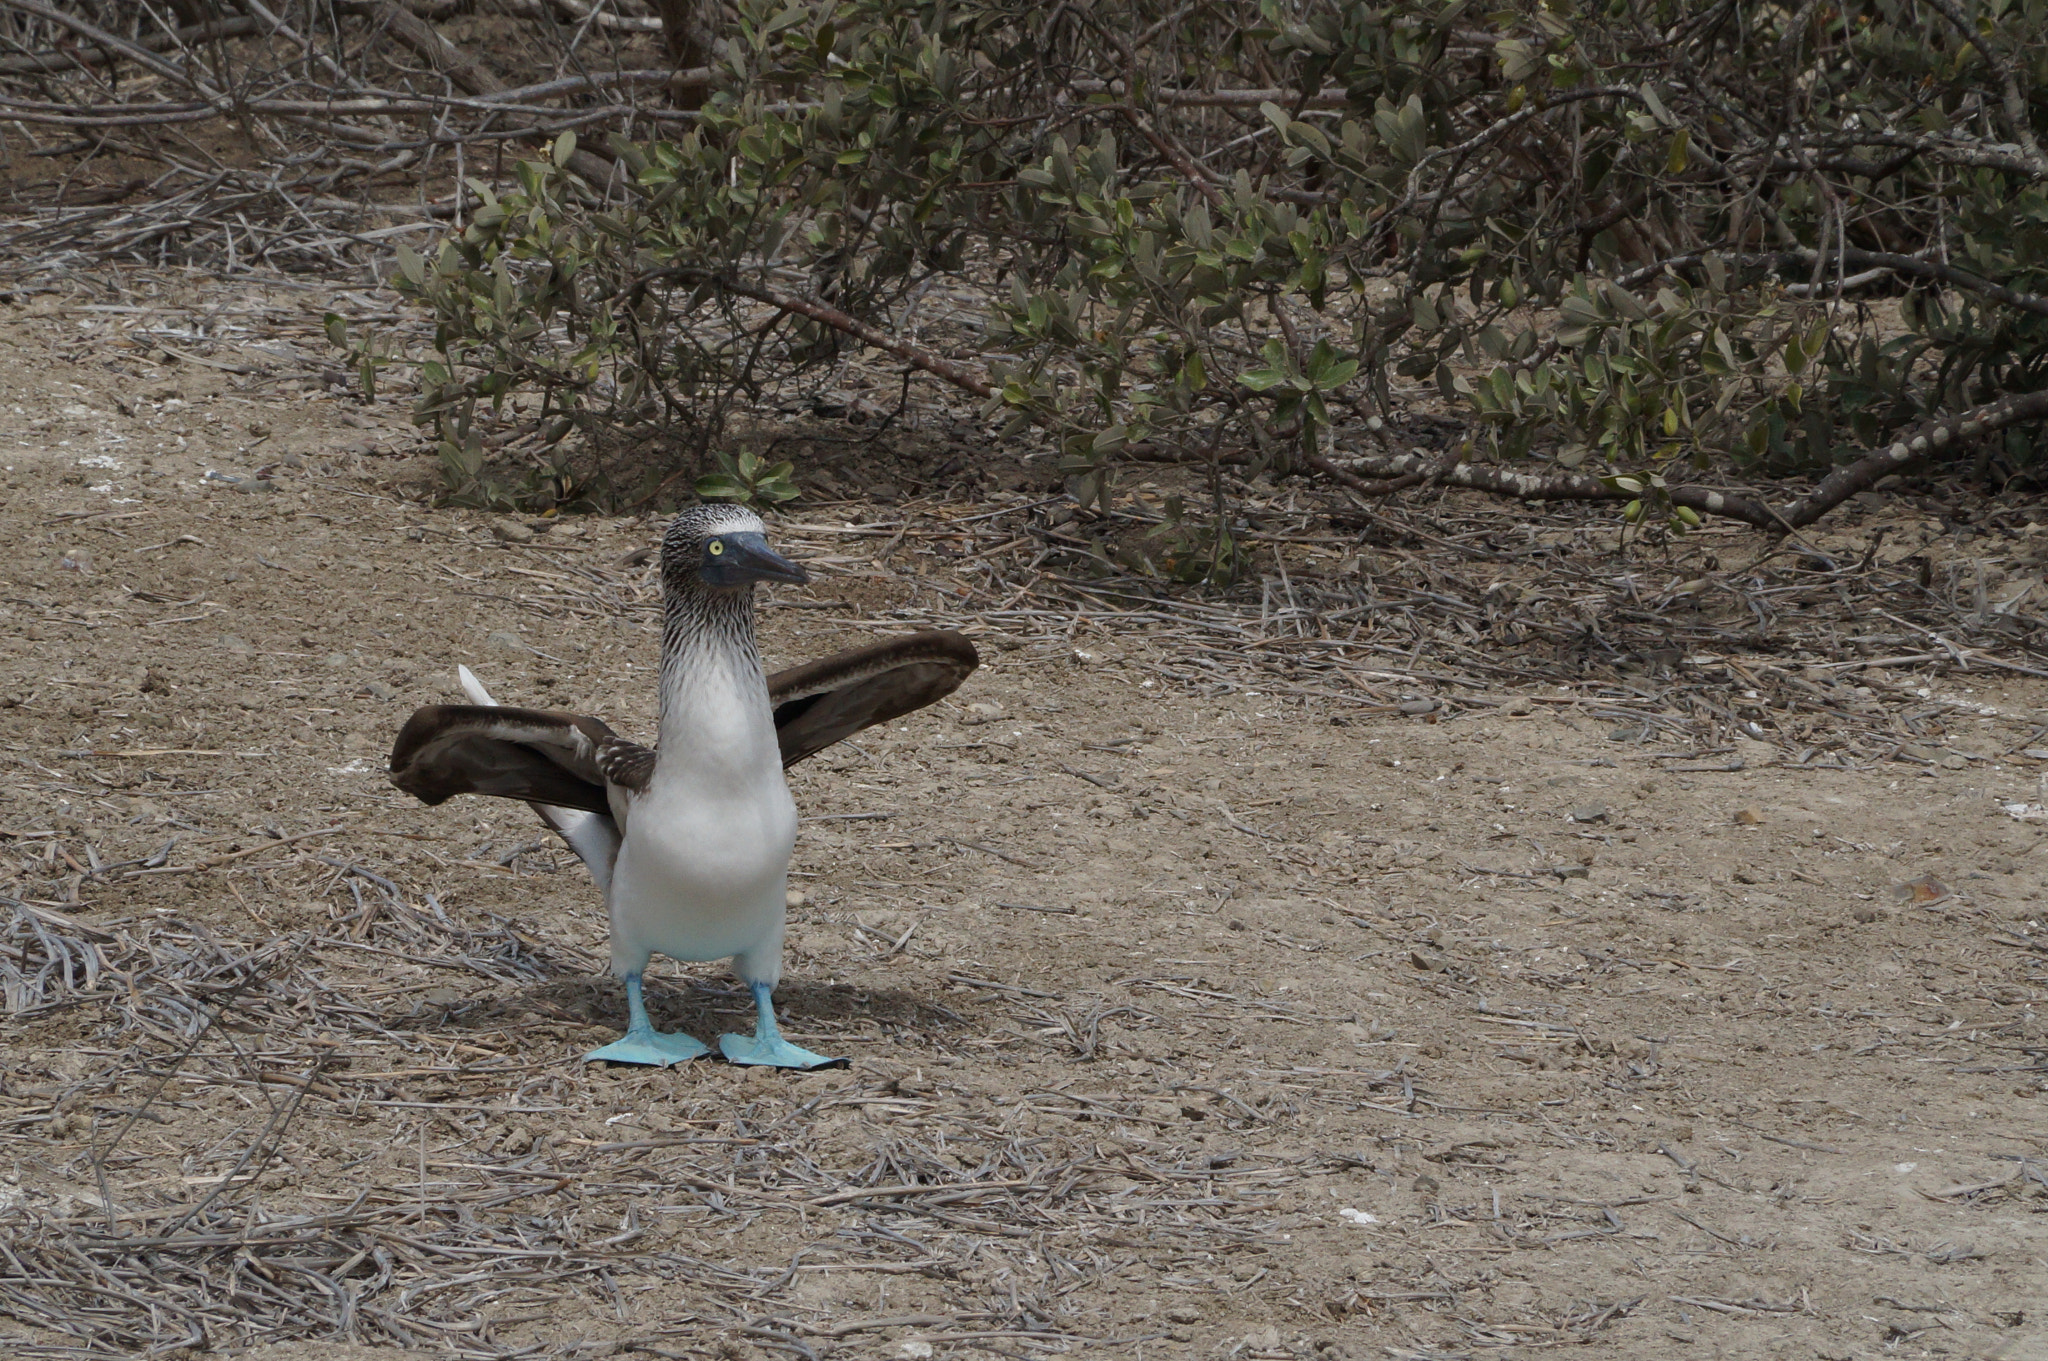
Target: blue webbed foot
{"x": 766, "y": 1047}
{"x": 649, "y": 1047}
{"x": 773, "y": 1052}
{"x": 642, "y": 1043}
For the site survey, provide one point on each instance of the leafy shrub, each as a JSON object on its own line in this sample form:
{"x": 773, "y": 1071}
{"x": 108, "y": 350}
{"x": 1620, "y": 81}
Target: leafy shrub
{"x": 748, "y": 480}
{"x": 1607, "y": 237}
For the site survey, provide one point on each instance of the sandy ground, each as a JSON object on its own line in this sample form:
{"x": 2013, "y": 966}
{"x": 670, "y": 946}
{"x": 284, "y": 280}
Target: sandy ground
{"x": 1224, "y": 1025}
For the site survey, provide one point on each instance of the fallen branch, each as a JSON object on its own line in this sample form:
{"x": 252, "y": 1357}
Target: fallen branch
{"x": 1331, "y": 97}
{"x": 467, "y": 73}
{"x": 114, "y": 46}
{"x": 1547, "y": 486}
{"x": 571, "y": 12}
{"x": 1849, "y": 258}
{"x": 1830, "y": 492}
{"x": 1843, "y": 483}
{"x": 36, "y": 63}
{"x": 959, "y": 375}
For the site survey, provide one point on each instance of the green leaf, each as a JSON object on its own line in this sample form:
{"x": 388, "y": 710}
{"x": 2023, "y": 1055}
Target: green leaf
{"x": 1580, "y": 311}
{"x": 1656, "y": 105}
{"x": 1626, "y": 303}
{"x": 721, "y": 487}
{"x": 1517, "y": 60}
{"x": 1336, "y": 375}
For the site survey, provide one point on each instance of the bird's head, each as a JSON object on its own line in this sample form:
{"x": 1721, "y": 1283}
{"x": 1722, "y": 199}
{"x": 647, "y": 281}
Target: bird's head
{"x": 723, "y": 547}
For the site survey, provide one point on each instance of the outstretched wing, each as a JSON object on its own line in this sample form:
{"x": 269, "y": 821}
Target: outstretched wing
{"x": 833, "y": 698}
{"x": 539, "y": 755}
{"x": 595, "y": 837}
{"x": 570, "y": 761}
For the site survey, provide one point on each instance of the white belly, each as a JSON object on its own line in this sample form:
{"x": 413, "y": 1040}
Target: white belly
{"x": 701, "y": 875}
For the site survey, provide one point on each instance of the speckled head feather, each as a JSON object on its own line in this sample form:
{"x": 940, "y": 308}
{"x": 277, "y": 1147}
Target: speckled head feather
{"x": 708, "y": 623}
{"x": 682, "y": 545}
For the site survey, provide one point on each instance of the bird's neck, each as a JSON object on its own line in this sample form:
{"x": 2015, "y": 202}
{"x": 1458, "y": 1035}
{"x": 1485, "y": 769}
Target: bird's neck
{"x": 714, "y": 702}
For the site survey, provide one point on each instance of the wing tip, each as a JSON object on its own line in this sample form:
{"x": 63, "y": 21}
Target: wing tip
{"x": 959, "y": 644}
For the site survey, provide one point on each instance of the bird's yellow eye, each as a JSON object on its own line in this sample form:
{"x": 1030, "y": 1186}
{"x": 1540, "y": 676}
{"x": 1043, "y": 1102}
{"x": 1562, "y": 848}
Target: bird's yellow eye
{"x": 717, "y": 547}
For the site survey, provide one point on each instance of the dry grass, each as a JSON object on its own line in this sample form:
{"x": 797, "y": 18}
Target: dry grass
{"x": 1201, "y": 998}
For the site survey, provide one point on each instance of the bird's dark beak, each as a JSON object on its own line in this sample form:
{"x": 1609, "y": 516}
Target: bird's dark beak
{"x": 743, "y": 559}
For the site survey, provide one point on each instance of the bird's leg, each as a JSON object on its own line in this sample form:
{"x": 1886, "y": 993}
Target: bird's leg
{"x": 766, "y": 1046}
{"x": 642, "y": 1043}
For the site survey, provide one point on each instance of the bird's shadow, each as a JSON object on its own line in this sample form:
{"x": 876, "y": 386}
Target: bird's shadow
{"x": 701, "y": 1006}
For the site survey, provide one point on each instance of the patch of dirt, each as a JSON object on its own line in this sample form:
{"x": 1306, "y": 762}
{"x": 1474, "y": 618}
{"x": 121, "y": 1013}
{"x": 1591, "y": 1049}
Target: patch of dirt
{"x": 1183, "y": 1020}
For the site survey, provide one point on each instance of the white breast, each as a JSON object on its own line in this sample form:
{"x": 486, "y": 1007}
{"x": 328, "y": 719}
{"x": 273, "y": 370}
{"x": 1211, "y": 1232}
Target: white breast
{"x": 702, "y": 877}
{"x": 704, "y": 868}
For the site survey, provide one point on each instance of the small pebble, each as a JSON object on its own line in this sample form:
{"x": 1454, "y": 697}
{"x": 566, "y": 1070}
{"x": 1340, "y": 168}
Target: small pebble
{"x": 1926, "y": 891}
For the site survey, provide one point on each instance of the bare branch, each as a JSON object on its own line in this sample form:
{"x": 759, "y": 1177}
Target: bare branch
{"x": 96, "y": 55}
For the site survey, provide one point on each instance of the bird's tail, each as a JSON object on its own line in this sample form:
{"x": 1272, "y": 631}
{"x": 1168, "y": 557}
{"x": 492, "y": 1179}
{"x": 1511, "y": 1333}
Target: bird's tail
{"x": 593, "y": 836}
{"x": 473, "y": 687}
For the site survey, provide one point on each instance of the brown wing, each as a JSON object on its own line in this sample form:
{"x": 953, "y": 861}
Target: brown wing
{"x": 833, "y": 698}
{"x": 538, "y": 755}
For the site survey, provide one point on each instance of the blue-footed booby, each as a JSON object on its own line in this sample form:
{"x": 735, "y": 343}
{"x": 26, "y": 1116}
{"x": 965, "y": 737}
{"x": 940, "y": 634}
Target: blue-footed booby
{"x": 689, "y": 841}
